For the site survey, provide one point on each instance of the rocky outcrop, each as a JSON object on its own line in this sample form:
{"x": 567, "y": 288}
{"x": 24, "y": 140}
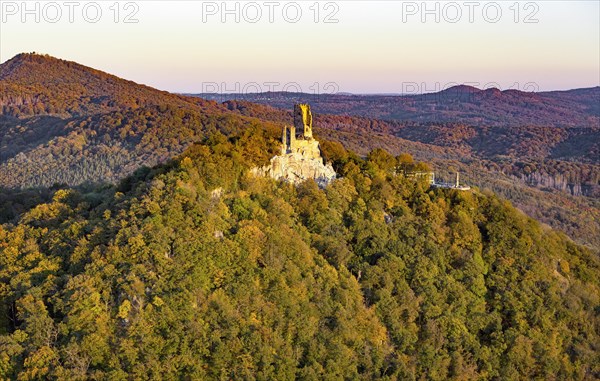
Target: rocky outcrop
{"x": 300, "y": 157}
{"x": 296, "y": 168}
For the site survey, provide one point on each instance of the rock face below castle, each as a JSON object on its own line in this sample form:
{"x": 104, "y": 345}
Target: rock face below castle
{"x": 300, "y": 157}
{"x": 295, "y": 168}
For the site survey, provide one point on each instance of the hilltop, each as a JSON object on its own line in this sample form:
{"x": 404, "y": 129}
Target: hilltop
{"x": 34, "y": 84}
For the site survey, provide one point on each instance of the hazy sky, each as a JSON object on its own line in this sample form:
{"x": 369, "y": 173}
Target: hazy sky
{"x": 348, "y": 46}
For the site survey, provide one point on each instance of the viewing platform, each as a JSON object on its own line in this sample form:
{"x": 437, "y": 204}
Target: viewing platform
{"x": 430, "y": 177}
{"x": 455, "y": 185}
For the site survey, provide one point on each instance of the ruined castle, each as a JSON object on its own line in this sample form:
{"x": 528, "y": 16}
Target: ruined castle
{"x": 300, "y": 157}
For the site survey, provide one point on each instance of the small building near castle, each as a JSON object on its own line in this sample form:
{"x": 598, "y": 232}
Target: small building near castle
{"x": 300, "y": 157}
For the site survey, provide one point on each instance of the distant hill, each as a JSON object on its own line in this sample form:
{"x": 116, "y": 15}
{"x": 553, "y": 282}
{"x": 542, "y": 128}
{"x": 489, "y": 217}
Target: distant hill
{"x": 459, "y": 104}
{"x": 532, "y": 142}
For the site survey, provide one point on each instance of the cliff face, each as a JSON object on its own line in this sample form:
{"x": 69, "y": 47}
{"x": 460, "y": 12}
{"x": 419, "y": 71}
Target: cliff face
{"x": 295, "y": 168}
{"x": 300, "y": 157}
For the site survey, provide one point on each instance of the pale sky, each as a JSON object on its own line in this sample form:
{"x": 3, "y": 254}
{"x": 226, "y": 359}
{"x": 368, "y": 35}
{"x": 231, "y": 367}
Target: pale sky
{"x": 365, "y": 47}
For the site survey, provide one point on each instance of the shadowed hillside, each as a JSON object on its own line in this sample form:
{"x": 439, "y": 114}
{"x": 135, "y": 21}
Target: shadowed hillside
{"x": 64, "y": 123}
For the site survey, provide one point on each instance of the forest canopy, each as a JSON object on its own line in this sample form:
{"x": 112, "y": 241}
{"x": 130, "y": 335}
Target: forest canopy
{"x": 196, "y": 269}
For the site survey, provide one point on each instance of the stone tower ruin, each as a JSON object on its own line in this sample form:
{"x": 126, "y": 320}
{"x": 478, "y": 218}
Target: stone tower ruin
{"x": 303, "y": 120}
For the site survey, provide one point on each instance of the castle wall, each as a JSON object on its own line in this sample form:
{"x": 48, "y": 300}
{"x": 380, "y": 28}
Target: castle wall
{"x": 307, "y": 148}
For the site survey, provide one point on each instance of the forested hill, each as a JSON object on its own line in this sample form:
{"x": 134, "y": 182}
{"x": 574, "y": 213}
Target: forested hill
{"x": 65, "y": 123}
{"x": 198, "y": 270}
{"x": 34, "y": 84}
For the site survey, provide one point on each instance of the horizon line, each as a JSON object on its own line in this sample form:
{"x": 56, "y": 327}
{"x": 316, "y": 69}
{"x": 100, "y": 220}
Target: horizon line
{"x": 347, "y": 93}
